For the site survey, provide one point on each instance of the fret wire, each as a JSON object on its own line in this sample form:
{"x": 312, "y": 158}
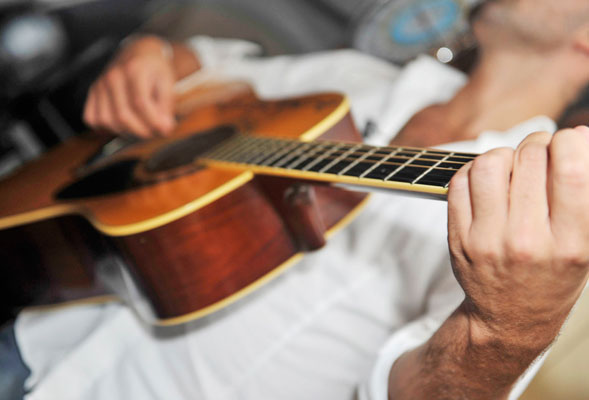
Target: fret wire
{"x": 271, "y": 145}
{"x": 314, "y": 150}
{"x": 402, "y": 166}
{"x": 384, "y": 161}
{"x": 372, "y": 151}
{"x": 337, "y": 150}
{"x": 437, "y": 161}
{"x": 261, "y": 147}
{"x": 345, "y": 151}
{"x": 227, "y": 147}
{"x": 448, "y": 156}
{"x": 379, "y": 163}
{"x": 354, "y": 161}
{"x": 248, "y": 143}
{"x": 301, "y": 149}
{"x": 237, "y": 147}
{"x": 245, "y": 151}
{"x": 396, "y": 149}
{"x": 423, "y": 153}
{"x": 281, "y": 153}
{"x": 252, "y": 150}
{"x": 321, "y": 157}
{"x": 244, "y": 144}
{"x": 428, "y": 151}
{"x": 336, "y": 160}
{"x": 431, "y": 168}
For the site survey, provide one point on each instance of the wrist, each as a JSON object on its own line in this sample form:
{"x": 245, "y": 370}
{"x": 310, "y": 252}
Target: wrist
{"x": 506, "y": 337}
{"x": 148, "y": 44}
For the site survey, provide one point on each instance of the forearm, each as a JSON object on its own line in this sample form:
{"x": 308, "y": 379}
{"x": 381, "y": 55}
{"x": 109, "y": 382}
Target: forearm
{"x": 460, "y": 363}
{"x": 183, "y": 60}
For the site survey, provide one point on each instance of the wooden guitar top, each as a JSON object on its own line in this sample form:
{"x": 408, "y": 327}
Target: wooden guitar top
{"x": 29, "y": 195}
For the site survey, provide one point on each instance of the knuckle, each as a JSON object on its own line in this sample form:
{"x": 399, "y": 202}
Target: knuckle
{"x": 522, "y": 250}
{"x": 560, "y": 137}
{"x": 133, "y": 66}
{"x": 532, "y": 152}
{"x": 114, "y": 76}
{"x": 484, "y": 164}
{"x": 563, "y": 141}
{"x": 139, "y": 102}
{"x": 481, "y": 250}
{"x": 571, "y": 172}
{"x": 489, "y": 162}
{"x": 124, "y": 116}
{"x": 572, "y": 255}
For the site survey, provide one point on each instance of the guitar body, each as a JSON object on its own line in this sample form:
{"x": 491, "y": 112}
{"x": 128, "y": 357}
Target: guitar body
{"x": 193, "y": 238}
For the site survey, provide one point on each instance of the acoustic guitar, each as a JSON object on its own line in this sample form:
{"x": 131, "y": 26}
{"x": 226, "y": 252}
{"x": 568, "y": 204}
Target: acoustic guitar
{"x": 195, "y": 221}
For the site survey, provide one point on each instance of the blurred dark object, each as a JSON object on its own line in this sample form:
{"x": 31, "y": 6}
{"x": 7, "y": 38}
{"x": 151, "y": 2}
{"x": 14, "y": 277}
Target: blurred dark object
{"x": 279, "y": 26}
{"x": 578, "y": 113}
{"x": 31, "y": 45}
{"x": 400, "y": 30}
{"x": 50, "y": 53}
{"x": 578, "y": 117}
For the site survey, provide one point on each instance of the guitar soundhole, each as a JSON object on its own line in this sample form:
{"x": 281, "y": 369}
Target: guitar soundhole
{"x": 184, "y": 152}
{"x": 113, "y": 178}
{"x": 170, "y": 161}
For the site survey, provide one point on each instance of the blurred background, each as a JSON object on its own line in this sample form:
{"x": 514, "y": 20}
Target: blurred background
{"x": 51, "y": 50}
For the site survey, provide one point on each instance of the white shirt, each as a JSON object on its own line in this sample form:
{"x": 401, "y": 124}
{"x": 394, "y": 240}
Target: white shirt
{"x": 330, "y": 327}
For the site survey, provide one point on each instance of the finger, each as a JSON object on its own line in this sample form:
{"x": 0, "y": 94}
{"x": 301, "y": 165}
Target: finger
{"x": 90, "y": 108}
{"x": 569, "y": 186}
{"x": 459, "y": 206}
{"x": 143, "y": 100}
{"x": 528, "y": 200}
{"x": 124, "y": 113}
{"x": 489, "y": 187}
{"x": 104, "y": 113}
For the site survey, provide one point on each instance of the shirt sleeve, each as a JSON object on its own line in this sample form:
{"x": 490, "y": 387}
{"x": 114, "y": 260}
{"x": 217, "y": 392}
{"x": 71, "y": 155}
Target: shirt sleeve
{"x": 364, "y": 79}
{"x": 213, "y": 52}
{"x": 442, "y": 302}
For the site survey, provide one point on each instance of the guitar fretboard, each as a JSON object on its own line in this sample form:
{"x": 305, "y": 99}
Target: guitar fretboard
{"x": 404, "y": 168}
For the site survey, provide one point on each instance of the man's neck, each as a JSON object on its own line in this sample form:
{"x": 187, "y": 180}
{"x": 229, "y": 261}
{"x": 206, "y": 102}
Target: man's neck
{"x": 506, "y": 89}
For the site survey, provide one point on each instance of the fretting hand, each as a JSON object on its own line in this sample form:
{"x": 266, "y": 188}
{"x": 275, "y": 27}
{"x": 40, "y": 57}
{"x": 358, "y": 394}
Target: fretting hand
{"x": 519, "y": 237}
{"x": 518, "y": 230}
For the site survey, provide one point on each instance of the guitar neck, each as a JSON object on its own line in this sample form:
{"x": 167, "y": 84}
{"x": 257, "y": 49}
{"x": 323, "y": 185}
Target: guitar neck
{"x": 422, "y": 171}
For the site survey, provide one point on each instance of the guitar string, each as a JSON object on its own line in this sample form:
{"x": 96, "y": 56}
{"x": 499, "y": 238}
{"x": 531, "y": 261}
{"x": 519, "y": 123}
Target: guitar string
{"x": 386, "y": 162}
{"x": 280, "y": 148}
{"x": 412, "y": 150}
{"x": 316, "y": 147}
{"x": 253, "y": 141}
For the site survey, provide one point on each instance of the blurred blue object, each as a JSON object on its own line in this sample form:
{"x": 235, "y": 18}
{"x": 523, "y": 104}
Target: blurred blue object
{"x": 13, "y": 371}
{"x": 30, "y": 46}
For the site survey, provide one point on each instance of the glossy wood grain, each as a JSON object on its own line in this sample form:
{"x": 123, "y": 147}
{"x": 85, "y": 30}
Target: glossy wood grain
{"x": 219, "y": 251}
{"x": 51, "y": 261}
{"x": 29, "y": 194}
{"x": 193, "y": 242}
